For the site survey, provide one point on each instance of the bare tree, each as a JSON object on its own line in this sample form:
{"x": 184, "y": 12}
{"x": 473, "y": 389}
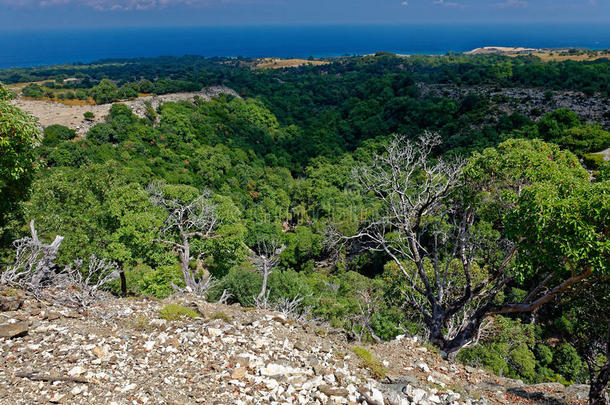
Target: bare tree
{"x": 35, "y": 272}
{"x": 83, "y": 287}
{"x": 453, "y": 271}
{"x": 266, "y": 257}
{"x": 33, "y": 267}
{"x": 185, "y": 221}
{"x": 368, "y": 303}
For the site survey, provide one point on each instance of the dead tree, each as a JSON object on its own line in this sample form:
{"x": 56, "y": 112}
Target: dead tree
{"x": 185, "y": 221}
{"x": 368, "y": 303}
{"x": 35, "y": 272}
{"x": 265, "y": 258}
{"x": 454, "y": 272}
{"x": 33, "y": 269}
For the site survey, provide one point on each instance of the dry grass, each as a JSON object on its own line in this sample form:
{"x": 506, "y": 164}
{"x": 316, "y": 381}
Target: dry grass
{"x": 74, "y": 102}
{"x": 546, "y": 55}
{"x": 557, "y": 57}
{"x": 277, "y": 63}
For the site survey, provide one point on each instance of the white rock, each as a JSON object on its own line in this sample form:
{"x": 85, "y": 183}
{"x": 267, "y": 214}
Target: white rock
{"x": 424, "y": 367}
{"x": 434, "y": 398}
{"x": 76, "y": 371}
{"x": 376, "y": 396}
{"x": 129, "y": 387}
{"x": 274, "y": 369}
{"x": 214, "y": 332}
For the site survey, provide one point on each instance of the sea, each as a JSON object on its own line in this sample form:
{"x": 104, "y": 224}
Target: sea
{"x": 22, "y": 48}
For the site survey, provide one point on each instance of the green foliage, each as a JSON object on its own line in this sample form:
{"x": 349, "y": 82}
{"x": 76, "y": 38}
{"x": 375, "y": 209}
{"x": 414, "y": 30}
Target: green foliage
{"x": 105, "y": 92}
{"x": 507, "y": 351}
{"x": 280, "y": 161}
{"x": 220, "y": 315}
{"x": 32, "y": 90}
{"x": 19, "y": 135}
{"x": 158, "y": 283}
{"x": 567, "y": 362}
{"x": 54, "y": 134}
{"x": 369, "y": 361}
{"x": 174, "y": 312}
{"x": 244, "y": 284}
{"x": 593, "y": 161}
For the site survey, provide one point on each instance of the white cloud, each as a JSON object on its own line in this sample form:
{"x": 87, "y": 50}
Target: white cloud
{"x": 512, "y": 4}
{"x": 448, "y": 3}
{"x": 404, "y": 3}
{"x": 110, "y": 5}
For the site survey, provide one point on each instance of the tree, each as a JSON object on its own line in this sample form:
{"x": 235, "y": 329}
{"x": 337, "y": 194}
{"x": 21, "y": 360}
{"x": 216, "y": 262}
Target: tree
{"x": 186, "y": 220}
{"x": 266, "y": 258}
{"x": 104, "y": 92}
{"x": 19, "y": 134}
{"x": 456, "y": 262}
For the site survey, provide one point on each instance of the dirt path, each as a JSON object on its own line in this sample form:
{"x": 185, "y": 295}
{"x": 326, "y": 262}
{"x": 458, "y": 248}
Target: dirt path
{"x": 49, "y": 113}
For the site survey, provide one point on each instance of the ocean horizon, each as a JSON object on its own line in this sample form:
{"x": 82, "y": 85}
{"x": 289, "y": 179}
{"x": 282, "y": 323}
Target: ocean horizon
{"x": 24, "y": 48}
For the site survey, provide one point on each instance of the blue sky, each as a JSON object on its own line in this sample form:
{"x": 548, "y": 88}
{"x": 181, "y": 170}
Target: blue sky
{"x": 29, "y": 14}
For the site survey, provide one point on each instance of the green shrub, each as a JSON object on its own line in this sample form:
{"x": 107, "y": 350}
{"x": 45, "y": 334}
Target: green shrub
{"x": 593, "y": 161}
{"x": 54, "y": 134}
{"x": 174, "y": 312}
{"x": 567, "y": 362}
{"x": 32, "y": 90}
{"x": 243, "y": 283}
{"x": 544, "y": 354}
{"x": 369, "y": 361}
{"x": 222, "y": 316}
{"x": 157, "y": 282}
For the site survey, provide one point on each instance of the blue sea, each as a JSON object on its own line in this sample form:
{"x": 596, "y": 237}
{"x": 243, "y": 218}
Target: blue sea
{"x": 47, "y": 47}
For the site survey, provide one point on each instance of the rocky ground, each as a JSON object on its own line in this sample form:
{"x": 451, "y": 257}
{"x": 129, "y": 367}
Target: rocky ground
{"x": 123, "y": 352}
{"x": 50, "y": 112}
{"x": 530, "y": 102}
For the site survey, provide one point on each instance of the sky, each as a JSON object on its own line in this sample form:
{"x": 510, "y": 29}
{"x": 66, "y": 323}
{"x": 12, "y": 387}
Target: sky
{"x": 34, "y": 14}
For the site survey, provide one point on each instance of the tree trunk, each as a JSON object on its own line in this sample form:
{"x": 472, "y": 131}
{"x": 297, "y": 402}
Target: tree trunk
{"x": 185, "y": 254}
{"x": 123, "y": 283}
{"x": 597, "y": 392}
{"x": 261, "y": 295}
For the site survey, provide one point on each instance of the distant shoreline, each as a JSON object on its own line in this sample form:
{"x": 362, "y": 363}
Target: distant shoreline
{"x": 53, "y": 47}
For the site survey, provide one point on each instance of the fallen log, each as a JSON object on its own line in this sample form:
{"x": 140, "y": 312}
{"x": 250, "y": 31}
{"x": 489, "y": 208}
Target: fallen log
{"x": 50, "y": 378}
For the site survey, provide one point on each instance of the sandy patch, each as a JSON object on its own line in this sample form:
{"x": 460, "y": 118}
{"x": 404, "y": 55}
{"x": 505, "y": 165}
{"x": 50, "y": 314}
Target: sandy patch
{"x": 72, "y": 116}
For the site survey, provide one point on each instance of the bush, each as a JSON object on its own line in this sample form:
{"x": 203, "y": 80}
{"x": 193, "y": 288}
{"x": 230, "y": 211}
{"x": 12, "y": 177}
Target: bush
{"x": 593, "y": 161}
{"x": 567, "y": 362}
{"x": 370, "y": 361}
{"x": 32, "y": 90}
{"x": 173, "y": 312}
{"x": 54, "y": 134}
{"x": 102, "y": 133}
{"x": 243, "y": 283}
{"x": 158, "y": 282}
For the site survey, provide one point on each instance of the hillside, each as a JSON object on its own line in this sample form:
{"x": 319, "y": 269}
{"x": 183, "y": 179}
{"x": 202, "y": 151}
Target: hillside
{"x": 121, "y": 351}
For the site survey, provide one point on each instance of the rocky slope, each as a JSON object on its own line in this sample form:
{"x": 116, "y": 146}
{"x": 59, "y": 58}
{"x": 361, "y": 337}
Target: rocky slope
{"x": 123, "y": 352}
{"x": 50, "y": 112}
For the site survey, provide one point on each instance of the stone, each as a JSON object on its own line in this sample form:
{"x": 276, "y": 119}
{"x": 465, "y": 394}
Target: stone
{"x": 76, "y": 371}
{"x": 14, "y": 330}
{"x": 418, "y": 395}
{"x": 238, "y": 373}
{"x": 51, "y": 316}
{"x": 214, "y": 332}
{"x": 300, "y": 346}
{"x": 333, "y": 391}
{"x": 424, "y": 367}
{"x": 274, "y": 369}
{"x": 102, "y": 352}
{"x": 10, "y": 303}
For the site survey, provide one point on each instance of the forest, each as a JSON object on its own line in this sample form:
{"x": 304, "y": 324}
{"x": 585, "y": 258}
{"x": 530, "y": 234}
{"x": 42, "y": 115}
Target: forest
{"x": 340, "y": 192}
